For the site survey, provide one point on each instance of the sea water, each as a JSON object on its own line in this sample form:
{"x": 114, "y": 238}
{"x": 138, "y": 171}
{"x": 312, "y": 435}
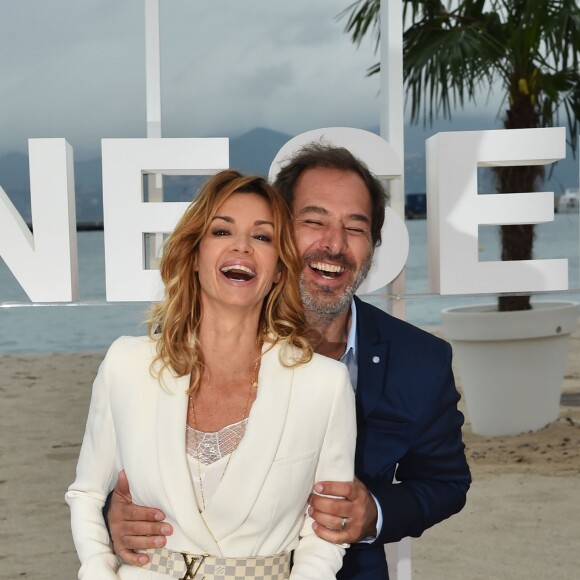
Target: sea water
{"x": 27, "y": 328}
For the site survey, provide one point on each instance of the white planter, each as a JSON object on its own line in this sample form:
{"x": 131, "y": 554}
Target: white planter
{"x": 511, "y": 364}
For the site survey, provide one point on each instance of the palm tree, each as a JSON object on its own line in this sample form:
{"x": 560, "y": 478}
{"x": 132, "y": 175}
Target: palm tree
{"x": 453, "y": 50}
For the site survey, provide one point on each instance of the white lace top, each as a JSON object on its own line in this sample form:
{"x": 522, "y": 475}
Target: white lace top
{"x": 213, "y": 451}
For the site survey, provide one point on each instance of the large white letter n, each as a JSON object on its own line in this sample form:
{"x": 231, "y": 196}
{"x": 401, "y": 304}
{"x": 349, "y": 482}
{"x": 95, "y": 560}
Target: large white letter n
{"x": 45, "y": 264}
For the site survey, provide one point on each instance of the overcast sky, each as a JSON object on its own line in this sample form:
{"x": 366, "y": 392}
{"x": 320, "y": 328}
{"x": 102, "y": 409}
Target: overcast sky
{"x": 76, "y": 69}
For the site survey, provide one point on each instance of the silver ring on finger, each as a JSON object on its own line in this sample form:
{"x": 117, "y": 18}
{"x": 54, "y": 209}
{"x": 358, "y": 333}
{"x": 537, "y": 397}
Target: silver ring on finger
{"x": 343, "y": 522}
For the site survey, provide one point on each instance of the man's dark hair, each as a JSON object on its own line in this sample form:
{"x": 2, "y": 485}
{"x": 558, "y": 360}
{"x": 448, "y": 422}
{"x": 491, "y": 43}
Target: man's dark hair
{"x": 318, "y": 154}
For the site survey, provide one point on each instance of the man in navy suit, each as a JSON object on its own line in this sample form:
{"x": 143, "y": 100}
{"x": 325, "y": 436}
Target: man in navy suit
{"x": 409, "y": 427}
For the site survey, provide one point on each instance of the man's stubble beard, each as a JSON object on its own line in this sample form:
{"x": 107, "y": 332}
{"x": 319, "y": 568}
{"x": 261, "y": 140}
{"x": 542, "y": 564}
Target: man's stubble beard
{"x": 322, "y": 306}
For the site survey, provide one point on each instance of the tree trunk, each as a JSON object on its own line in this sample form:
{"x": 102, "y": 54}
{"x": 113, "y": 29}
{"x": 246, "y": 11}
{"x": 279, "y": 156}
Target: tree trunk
{"x": 516, "y": 244}
{"x": 517, "y": 240}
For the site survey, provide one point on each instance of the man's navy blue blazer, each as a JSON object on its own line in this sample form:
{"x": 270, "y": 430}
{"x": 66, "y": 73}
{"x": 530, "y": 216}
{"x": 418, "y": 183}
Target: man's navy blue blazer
{"x": 409, "y": 427}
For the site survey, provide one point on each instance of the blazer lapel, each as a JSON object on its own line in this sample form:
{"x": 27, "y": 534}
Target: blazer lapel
{"x": 251, "y": 461}
{"x": 173, "y": 465}
{"x": 372, "y": 355}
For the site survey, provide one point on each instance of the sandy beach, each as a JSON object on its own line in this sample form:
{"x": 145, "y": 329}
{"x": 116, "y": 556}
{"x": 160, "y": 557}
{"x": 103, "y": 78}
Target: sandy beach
{"x": 522, "y": 519}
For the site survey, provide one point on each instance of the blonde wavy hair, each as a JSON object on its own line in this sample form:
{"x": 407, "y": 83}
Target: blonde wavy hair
{"x": 174, "y": 322}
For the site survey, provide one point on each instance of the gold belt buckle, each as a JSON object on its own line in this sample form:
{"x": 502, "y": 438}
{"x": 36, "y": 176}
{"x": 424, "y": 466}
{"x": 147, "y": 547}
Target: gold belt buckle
{"x": 190, "y": 562}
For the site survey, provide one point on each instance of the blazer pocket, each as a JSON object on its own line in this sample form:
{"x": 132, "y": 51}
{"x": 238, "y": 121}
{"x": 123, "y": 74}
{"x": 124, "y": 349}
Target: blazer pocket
{"x": 380, "y": 446}
{"x": 283, "y": 498}
{"x": 291, "y": 459}
{"x": 290, "y": 482}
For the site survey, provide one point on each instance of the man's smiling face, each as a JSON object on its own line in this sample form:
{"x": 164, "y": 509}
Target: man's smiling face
{"x": 332, "y": 224}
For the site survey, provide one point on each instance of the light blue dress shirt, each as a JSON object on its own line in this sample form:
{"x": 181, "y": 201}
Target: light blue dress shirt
{"x": 350, "y": 360}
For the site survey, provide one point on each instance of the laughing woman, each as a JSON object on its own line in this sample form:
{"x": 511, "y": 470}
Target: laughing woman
{"x": 222, "y": 417}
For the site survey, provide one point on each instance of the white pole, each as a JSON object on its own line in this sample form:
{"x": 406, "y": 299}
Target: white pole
{"x": 392, "y": 118}
{"x": 392, "y": 106}
{"x": 153, "y": 113}
{"x": 152, "y": 68}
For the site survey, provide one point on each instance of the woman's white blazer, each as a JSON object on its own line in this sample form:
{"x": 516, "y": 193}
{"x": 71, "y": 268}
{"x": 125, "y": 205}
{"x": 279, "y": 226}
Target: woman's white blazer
{"x": 301, "y": 430}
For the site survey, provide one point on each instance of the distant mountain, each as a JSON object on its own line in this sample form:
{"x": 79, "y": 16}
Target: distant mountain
{"x": 14, "y": 172}
{"x": 252, "y": 152}
{"x": 15, "y": 180}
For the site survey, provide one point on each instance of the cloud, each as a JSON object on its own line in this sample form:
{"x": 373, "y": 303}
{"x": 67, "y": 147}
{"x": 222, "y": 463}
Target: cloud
{"x": 77, "y": 69}
{"x": 265, "y": 64}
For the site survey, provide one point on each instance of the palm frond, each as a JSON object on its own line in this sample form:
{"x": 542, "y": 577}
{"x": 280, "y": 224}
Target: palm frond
{"x": 445, "y": 64}
{"x": 362, "y": 15}
{"x": 453, "y": 49}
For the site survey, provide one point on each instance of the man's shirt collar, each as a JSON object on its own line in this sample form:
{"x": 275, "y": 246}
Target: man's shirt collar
{"x": 351, "y": 338}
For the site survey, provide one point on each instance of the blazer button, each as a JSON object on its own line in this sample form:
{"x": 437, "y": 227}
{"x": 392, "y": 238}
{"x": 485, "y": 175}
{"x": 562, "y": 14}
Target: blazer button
{"x": 376, "y": 359}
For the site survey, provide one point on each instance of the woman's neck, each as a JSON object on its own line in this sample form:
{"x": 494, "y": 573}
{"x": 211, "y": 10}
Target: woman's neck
{"x": 231, "y": 363}
{"x": 229, "y": 342}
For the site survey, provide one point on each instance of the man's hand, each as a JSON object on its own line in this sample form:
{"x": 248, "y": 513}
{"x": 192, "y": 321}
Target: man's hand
{"x": 355, "y": 503}
{"x": 132, "y": 526}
